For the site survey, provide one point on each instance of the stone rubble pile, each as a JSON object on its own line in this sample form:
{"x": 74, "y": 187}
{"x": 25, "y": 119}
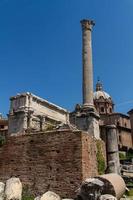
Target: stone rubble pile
{"x": 98, "y": 188}
{"x": 105, "y": 187}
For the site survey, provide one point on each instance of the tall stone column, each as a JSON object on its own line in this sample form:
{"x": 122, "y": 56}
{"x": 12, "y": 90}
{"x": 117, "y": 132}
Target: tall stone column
{"x": 85, "y": 116}
{"x": 87, "y": 26}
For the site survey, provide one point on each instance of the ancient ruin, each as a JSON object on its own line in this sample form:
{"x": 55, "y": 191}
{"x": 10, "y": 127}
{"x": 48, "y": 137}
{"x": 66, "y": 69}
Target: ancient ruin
{"x": 49, "y": 148}
{"x": 29, "y": 112}
{"x": 85, "y": 116}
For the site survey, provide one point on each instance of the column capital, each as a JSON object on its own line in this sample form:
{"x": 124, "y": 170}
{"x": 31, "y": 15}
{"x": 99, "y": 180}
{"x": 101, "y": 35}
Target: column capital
{"x": 87, "y": 24}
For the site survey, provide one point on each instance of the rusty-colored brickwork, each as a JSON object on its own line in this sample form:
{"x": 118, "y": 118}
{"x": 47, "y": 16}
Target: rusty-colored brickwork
{"x": 56, "y": 161}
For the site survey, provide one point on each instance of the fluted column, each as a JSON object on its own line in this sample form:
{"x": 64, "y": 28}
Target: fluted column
{"x": 87, "y": 26}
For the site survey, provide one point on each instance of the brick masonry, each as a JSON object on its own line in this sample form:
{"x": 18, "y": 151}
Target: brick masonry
{"x": 56, "y": 161}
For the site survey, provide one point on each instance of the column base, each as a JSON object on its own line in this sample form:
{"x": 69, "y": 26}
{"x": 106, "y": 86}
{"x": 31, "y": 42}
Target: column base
{"x": 87, "y": 119}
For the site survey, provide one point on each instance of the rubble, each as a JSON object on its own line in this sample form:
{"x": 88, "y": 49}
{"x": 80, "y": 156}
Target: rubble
{"x": 95, "y": 188}
{"x": 50, "y": 196}
{"x": 107, "y": 197}
{"x": 2, "y": 188}
{"x": 13, "y": 189}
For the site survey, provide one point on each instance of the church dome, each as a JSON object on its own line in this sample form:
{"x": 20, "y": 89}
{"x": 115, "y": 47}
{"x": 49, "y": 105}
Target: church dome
{"x": 102, "y": 100}
{"x": 100, "y": 93}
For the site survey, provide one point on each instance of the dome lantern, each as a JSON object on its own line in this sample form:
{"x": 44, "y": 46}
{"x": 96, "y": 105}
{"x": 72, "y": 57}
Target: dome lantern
{"x": 99, "y": 86}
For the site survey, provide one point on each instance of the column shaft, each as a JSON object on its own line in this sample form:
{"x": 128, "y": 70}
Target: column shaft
{"x": 87, "y": 63}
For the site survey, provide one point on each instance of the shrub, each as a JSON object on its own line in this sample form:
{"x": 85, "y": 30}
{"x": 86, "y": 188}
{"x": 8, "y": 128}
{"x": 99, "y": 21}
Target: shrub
{"x": 2, "y": 140}
{"x": 129, "y": 155}
{"x": 100, "y": 158}
{"x": 122, "y": 156}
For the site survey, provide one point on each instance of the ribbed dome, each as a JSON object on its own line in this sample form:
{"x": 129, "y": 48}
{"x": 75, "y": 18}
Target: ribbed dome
{"x": 99, "y": 94}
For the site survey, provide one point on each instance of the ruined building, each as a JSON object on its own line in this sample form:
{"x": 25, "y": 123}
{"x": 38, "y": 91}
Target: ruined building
{"x": 49, "y": 148}
{"x": 31, "y": 113}
{"x": 56, "y": 159}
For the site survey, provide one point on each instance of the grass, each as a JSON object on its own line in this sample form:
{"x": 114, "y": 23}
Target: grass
{"x": 129, "y": 194}
{"x": 26, "y": 195}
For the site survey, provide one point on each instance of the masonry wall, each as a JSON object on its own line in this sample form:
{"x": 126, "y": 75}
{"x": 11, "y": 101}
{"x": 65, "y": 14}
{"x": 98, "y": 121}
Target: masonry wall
{"x": 56, "y": 161}
{"x": 125, "y": 139}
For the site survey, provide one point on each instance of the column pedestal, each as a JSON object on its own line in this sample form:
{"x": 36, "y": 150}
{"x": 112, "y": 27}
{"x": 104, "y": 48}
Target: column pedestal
{"x": 86, "y": 119}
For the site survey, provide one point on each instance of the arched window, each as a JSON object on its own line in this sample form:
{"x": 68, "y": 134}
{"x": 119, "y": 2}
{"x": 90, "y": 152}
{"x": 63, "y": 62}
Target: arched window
{"x": 110, "y": 110}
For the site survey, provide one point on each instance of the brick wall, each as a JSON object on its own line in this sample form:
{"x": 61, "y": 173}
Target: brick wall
{"x": 125, "y": 139}
{"x": 56, "y": 161}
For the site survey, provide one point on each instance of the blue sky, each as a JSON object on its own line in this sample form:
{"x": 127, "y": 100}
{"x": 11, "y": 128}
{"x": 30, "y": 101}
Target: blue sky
{"x": 40, "y": 49}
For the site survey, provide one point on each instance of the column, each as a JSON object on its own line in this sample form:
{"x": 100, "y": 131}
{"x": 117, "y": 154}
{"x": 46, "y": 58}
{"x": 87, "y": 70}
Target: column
{"x": 112, "y": 149}
{"x": 87, "y": 26}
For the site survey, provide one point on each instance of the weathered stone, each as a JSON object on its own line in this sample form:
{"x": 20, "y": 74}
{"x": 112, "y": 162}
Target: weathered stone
{"x": 87, "y": 63}
{"x": 113, "y": 184}
{"x": 90, "y": 189}
{"x": 67, "y": 199}
{"x": 2, "y": 188}
{"x": 30, "y": 112}
{"x": 85, "y": 117}
{"x": 93, "y": 188}
{"x": 50, "y": 196}
{"x": 87, "y": 120}
{"x": 13, "y": 189}
{"x": 112, "y": 150}
{"x": 107, "y": 197}
{"x": 37, "y": 198}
